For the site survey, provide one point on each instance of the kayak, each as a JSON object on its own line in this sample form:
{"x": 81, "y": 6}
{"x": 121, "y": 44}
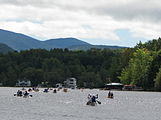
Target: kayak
{"x": 36, "y": 90}
{"x": 91, "y": 103}
{"x": 27, "y": 96}
{"x": 110, "y": 97}
{"x": 18, "y": 95}
{"x": 65, "y": 90}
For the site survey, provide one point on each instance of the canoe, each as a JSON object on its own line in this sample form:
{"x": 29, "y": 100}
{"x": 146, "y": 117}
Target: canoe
{"x": 91, "y": 103}
{"x": 110, "y": 97}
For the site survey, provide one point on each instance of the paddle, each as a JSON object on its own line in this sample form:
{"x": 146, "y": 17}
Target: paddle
{"x": 30, "y": 95}
{"x": 98, "y": 102}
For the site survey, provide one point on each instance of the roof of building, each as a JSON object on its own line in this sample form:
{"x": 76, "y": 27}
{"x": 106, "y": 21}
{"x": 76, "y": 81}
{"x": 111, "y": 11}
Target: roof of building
{"x": 114, "y": 84}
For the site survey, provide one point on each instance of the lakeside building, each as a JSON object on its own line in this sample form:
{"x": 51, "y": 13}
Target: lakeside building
{"x": 23, "y": 83}
{"x": 70, "y": 83}
{"x": 110, "y": 86}
{"x": 43, "y": 84}
{"x": 132, "y": 88}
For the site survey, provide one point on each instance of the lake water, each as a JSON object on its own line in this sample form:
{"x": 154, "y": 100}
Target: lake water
{"x": 72, "y": 106}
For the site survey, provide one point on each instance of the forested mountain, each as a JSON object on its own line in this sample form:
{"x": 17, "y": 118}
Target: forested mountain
{"x": 5, "y": 49}
{"x": 23, "y": 42}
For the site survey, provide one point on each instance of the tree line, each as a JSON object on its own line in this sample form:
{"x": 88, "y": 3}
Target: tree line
{"x": 91, "y": 68}
{"x": 140, "y": 66}
{"x": 144, "y": 66}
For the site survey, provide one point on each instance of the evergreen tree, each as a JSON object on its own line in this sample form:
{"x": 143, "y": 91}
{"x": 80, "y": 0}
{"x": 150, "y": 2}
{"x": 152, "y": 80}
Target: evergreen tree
{"x": 158, "y": 81}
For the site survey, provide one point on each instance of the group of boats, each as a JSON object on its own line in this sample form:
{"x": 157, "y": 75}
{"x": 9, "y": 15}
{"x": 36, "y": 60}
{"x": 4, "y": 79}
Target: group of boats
{"x": 46, "y": 90}
{"x": 25, "y": 93}
{"x": 110, "y": 95}
{"x": 21, "y": 93}
{"x": 92, "y": 99}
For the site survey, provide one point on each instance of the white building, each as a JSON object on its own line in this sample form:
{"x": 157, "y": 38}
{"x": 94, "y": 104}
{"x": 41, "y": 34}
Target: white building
{"x": 114, "y": 86}
{"x": 70, "y": 83}
{"x": 23, "y": 83}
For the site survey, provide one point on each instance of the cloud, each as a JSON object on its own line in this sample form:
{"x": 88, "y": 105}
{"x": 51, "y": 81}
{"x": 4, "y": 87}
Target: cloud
{"x": 132, "y": 10}
{"x": 119, "y": 9}
{"x": 83, "y": 19}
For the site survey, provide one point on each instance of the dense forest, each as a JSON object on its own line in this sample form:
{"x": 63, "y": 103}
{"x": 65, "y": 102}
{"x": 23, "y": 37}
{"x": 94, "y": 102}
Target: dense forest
{"x": 144, "y": 66}
{"x": 93, "y": 68}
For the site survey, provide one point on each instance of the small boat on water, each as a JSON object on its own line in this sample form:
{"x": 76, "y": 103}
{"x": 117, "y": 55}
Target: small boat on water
{"x": 29, "y": 90}
{"x": 46, "y": 90}
{"x": 111, "y": 97}
{"x": 24, "y": 96}
{"x": 36, "y": 90}
{"x": 92, "y": 100}
{"x": 91, "y": 103}
{"x": 18, "y": 95}
{"x": 27, "y": 96}
{"x": 65, "y": 90}
{"x": 54, "y": 91}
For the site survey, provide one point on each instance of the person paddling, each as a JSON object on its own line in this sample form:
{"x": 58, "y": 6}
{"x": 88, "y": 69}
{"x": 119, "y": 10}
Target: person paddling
{"x": 54, "y": 91}
{"x": 93, "y": 100}
{"x": 26, "y": 94}
{"x": 110, "y": 94}
{"x": 46, "y": 90}
{"x": 94, "y": 97}
{"x": 89, "y": 97}
{"x": 19, "y": 93}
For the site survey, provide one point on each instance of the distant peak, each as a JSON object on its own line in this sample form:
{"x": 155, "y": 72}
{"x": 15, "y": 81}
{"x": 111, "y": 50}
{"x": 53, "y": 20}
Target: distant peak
{"x": 68, "y": 38}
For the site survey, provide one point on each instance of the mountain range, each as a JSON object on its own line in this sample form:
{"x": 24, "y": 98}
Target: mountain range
{"x": 18, "y": 41}
{"x": 5, "y": 48}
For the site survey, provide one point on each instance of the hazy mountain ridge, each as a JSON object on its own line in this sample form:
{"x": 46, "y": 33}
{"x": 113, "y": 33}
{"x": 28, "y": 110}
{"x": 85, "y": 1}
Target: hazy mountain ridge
{"x": 5, "y": 48}
{"x": 19, "y": 41}
{"x": 87, "y": 47}
{"x": 65, "y": 42}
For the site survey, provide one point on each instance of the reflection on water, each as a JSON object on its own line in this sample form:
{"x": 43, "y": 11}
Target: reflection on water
{"x": 72, "y": 106}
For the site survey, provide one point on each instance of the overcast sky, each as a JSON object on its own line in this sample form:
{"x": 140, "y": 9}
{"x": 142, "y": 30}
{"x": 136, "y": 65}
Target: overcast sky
{"x": 109, "y": 22}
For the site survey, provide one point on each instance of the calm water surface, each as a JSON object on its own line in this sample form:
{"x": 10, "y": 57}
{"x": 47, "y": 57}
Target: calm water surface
{"x": 72, "y": 106}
